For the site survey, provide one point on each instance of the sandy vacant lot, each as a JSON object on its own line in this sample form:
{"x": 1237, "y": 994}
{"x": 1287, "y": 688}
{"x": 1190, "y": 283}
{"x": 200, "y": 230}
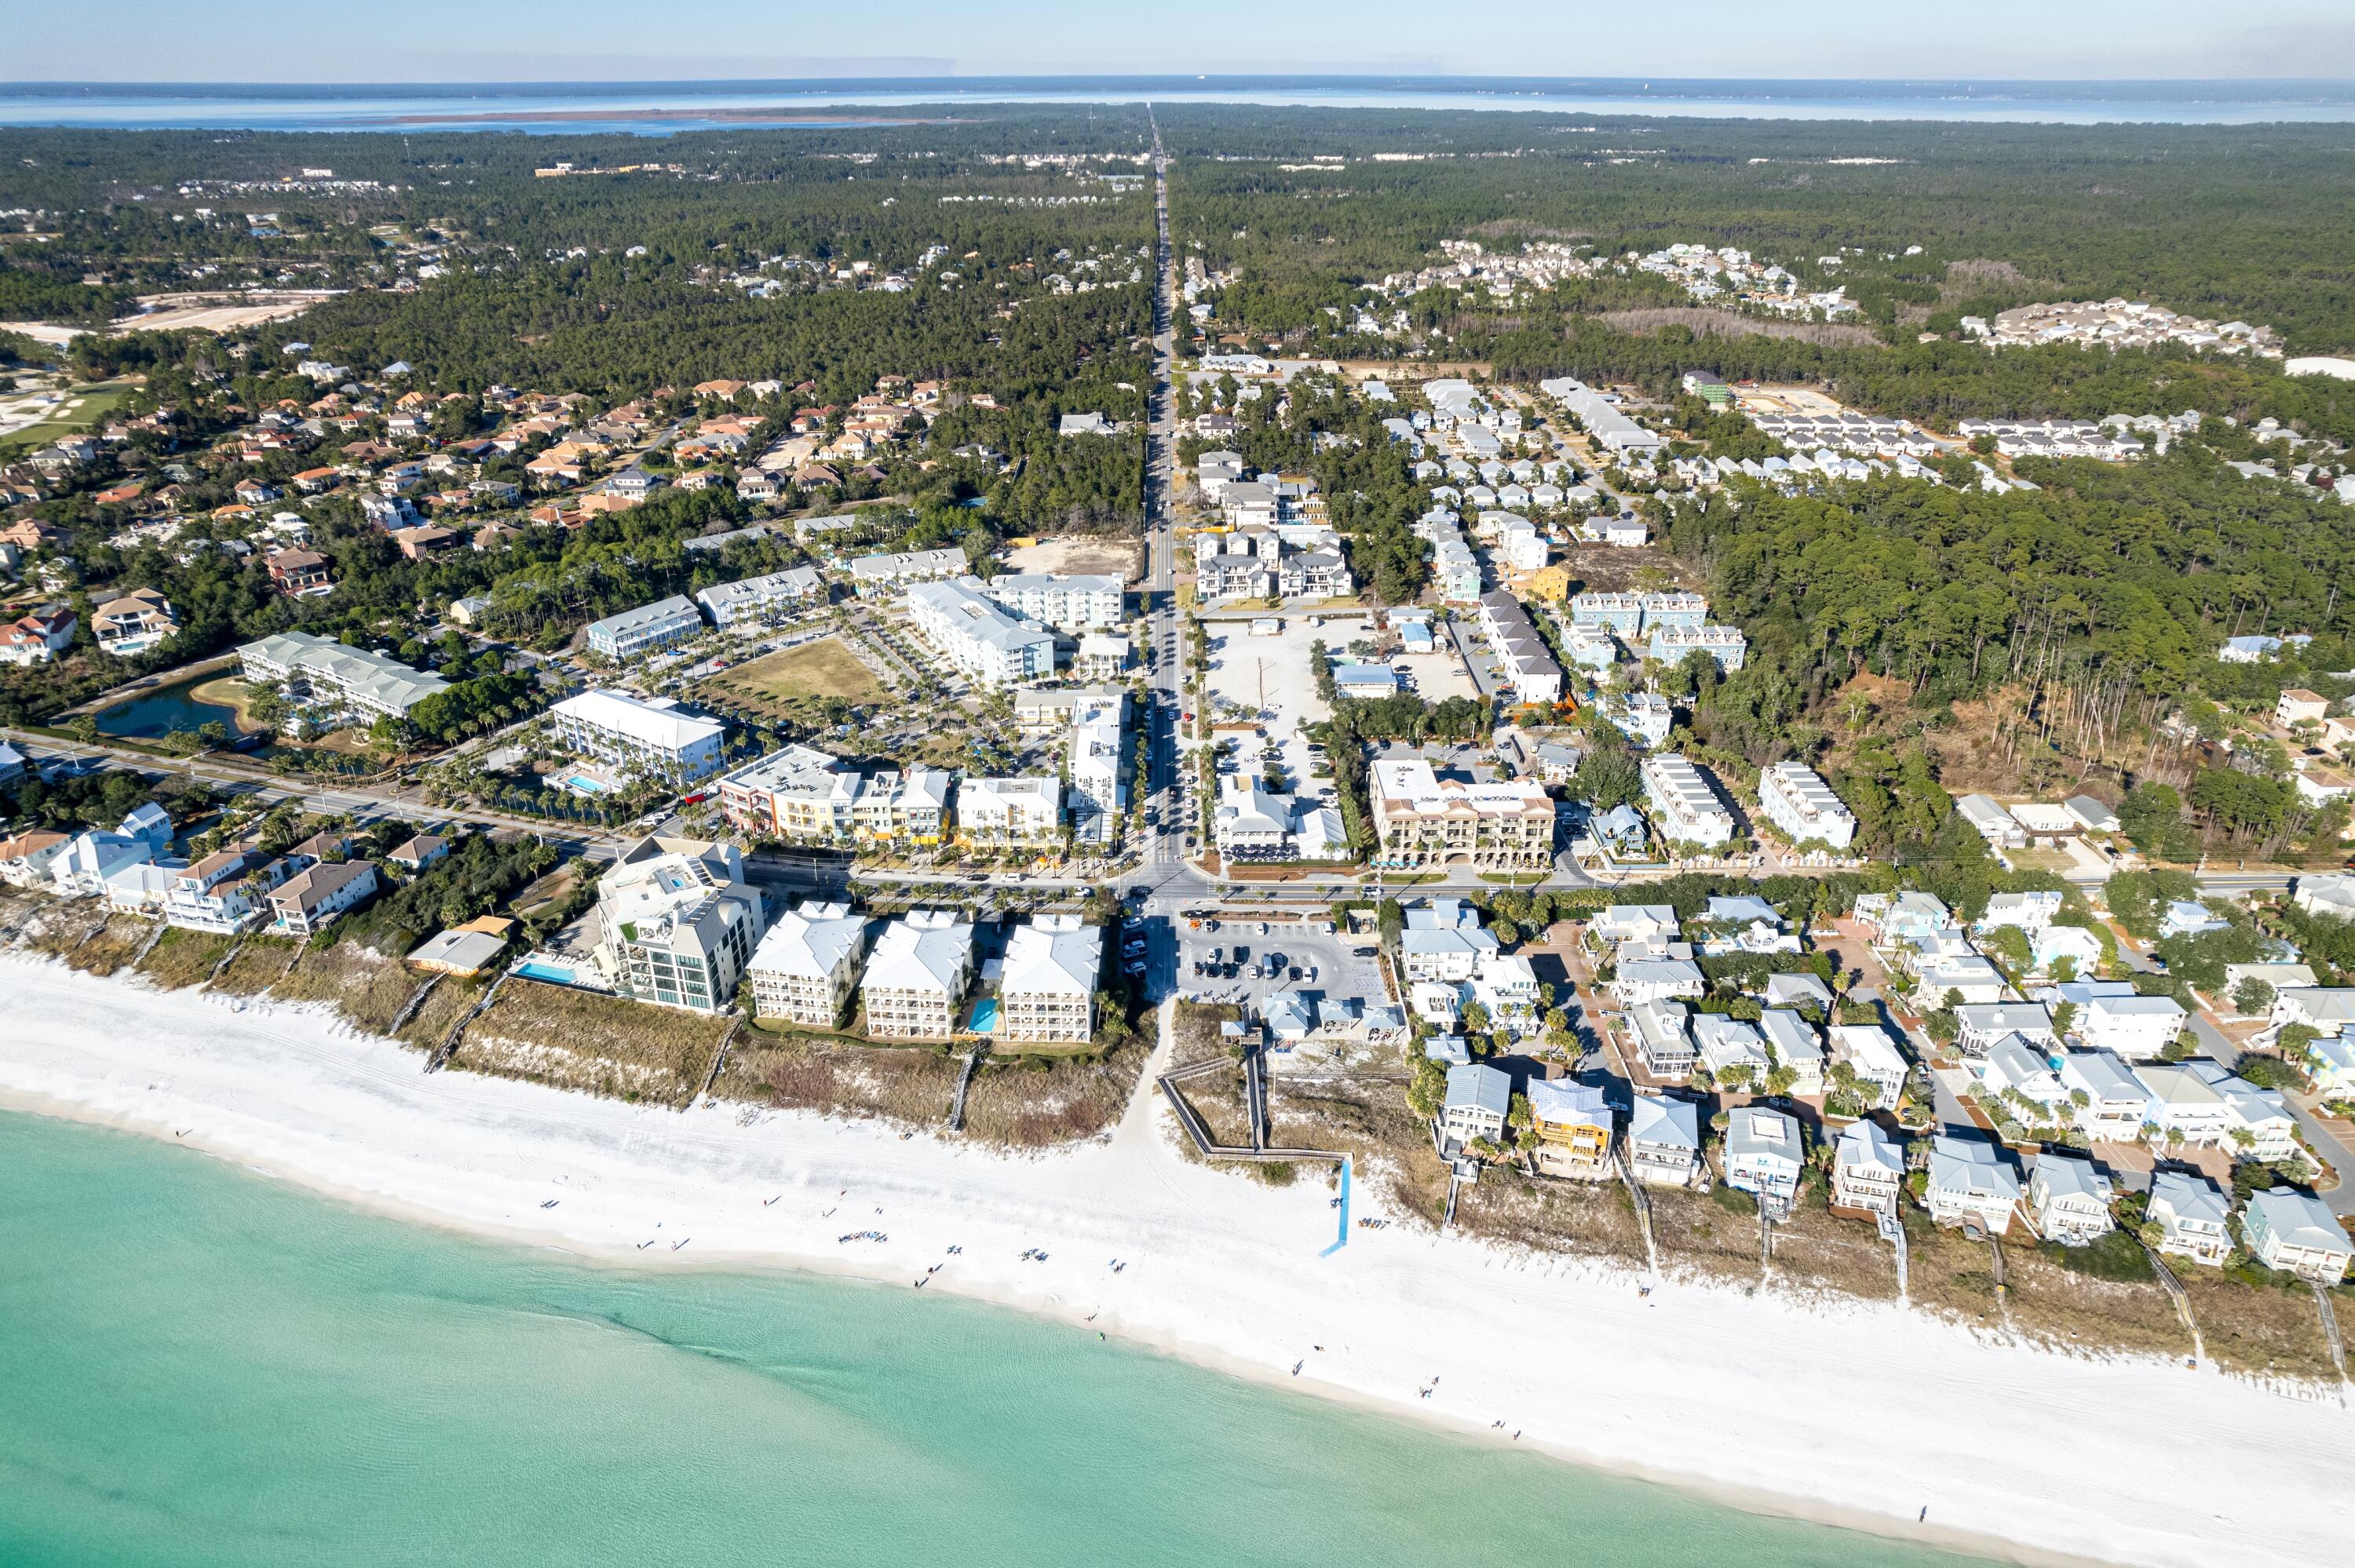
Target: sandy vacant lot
{"x": 1080, "y": 556}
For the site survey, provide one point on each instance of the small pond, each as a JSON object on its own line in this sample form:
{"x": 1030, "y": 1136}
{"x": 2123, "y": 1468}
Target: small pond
{"x": 153, "y": 715}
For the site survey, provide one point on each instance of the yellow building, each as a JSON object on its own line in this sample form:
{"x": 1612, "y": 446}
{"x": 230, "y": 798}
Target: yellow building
{"x": 1574, "y": 1127}
{"x": 1551, "y": 584}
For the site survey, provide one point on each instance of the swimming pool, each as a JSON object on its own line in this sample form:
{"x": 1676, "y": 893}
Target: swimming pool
{"x": 553, "y": 974}
{"x": 984, "y": 1016}
{"x": 585, "y": 785}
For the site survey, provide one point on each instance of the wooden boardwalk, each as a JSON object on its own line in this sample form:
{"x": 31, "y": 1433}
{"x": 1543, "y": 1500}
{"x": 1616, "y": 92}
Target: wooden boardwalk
{"x": 1191, "y": 1120}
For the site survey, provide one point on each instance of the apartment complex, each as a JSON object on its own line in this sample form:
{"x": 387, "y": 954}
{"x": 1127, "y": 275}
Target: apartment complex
{"x": 756, "y": 600}
{"x": 645, "y": 735}
{"x": 920, "y": 971}
{"x": 1010, "y": 810}
{"x": 1047, "y": 990}
{"x": 1422, "y": 820}
{"x": 1073, "y": 604}
{"x": 1793, "y": 796}
{"x": 649, "y": 629}
{"x": 1685, "y": 809}
{"x": 977, "y": 637}
{"x": 678, "y": 923}
{"x": 806, "y": 967}
{"x": 353, "y": 685}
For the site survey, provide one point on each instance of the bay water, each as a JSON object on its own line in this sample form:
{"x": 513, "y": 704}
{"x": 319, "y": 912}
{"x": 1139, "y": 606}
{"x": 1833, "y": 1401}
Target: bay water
{"x": 202, "y": 1366}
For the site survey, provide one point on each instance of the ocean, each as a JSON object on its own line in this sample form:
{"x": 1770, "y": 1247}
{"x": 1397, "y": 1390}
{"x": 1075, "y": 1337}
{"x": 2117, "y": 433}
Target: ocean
{"x": 201, "y": 1367}
{"x": 661, "y": 108}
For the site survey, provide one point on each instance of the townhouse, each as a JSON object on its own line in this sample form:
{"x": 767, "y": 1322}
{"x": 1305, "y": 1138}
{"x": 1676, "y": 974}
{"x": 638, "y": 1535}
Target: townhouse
{"x": 1685, "y": 806}
{"x": 1796, "y": 800}
{"x": 762, "y": 601}
{"x": 1529, "y": 664}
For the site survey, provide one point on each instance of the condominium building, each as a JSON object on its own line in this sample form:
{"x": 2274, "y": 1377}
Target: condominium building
{"x": 1047, "y": 991}
{"x": 880, "y": 574}
{"x": 1793, "y": 796}
{"x": 649, "y": 629}
{"x": 1072, "y": 604}
{"x": 336, "y": 682}
{"x": 646, "y": 735}
{"x": 1422, "y": 820}
{"x": 1685, "y": 807}
{"x": 1010, "y": 810}
{"x": 762, "y": 599}
{"x": 799, "y": 793}
{"x": 806, "y": 967}
{"x": 977, "y": 637}
{"x": 678, "y": 923}
{"x": 919, "y": 972}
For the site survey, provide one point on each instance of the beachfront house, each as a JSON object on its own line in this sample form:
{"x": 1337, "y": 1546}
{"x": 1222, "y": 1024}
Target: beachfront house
{"x": 1664, "y": 1141}
{"x": 1971, "y": 1184}
{"x": 1764, "y": 1155}
{"x": 2295, "y": 1232}
{"x": 2068, "y": 1200}
{"x": 1479, "y": 1098}
{"x": 2193, "y": 1216}
{"x": 1866, "y": 1169}
{"x": 311, "y": 899}
{"x": 1573, "y": 1125}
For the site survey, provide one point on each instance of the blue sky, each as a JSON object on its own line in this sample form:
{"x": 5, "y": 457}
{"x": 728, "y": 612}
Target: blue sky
{"x": 444, "y": 40}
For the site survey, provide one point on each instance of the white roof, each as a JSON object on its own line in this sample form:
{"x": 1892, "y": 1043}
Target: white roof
{"x": 651, "y": 724}
{"x": 810, "y": 940}
{"x": 924, "y": 949}
{"x": 1656, "y": 1119}
{"x": 1863, "y": 1143}
{"x": 1754, "y": 1132}
{"x": 1058, "y": 957}
{"x": 1964, "y": 1165}
{"x": 1565, "y": 1102}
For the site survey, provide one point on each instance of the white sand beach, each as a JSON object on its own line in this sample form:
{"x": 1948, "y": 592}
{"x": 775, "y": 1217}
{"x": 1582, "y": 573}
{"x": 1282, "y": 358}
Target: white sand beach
{"x": 1857, "y": 1413}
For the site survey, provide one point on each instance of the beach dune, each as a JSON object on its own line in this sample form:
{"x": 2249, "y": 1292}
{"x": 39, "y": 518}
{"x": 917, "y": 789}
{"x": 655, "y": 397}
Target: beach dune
{"x": 1853, "y": 1412}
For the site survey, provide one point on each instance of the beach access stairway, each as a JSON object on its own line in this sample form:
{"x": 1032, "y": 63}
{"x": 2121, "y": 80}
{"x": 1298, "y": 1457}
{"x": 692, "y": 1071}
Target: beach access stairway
{"x": 711, "y": 1073}
{"x": 449, "y": 1046}
{"x": 1642, "y": 1203}
{"x": 964, "y": 1084}
{"x": 1892, "y": 1230}
{"x": 1191, "y": 1121}
{"x": 2330, "y": 1334}
{"x": 416, "y": 1000}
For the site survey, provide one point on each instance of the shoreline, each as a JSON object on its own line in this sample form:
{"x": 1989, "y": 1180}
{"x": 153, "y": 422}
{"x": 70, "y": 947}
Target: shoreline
{"x": 1648, "y": 1388}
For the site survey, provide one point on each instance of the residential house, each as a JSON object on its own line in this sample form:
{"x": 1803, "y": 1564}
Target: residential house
{"x": 310, "y": 899}
{"x": 299, "y": 574}
{"x": 420, "y": 851}
{"x": 1869, "y": 1052}
{"x": 2068, "y": 1200}
{"x": 1868, "y": 1170}
{"x": 1573, "y": 1125}
{"x": 2116, "y": 1102}
{"x": 1663, "y": 1040}
{"x": 1978, "y": 1027}
{"x": 1479, "y": 1098}
{"x": 2295, "y": 1232}
{"x": 2136, "y": 1027}
{"x": 1971, "y": 1184}
{"x": 1793, "y": 1042}
{"x": 139, "y": 622}
{"x": 39, "y": 637}
{"x": 1664, "y": 1141}
{"x": 1765, "y": 1154}
{"x": 2193, "y": 1215}
{"x": 1640, "y": 981}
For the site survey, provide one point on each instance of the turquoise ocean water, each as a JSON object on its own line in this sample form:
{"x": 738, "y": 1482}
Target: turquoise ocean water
{"x": 199, "y": 1366}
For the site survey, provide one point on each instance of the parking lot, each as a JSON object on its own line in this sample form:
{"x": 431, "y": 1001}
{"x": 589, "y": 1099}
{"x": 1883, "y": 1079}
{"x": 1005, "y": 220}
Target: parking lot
{"x": 1334, "y": 960}
{"x": 1268, "y": 677}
